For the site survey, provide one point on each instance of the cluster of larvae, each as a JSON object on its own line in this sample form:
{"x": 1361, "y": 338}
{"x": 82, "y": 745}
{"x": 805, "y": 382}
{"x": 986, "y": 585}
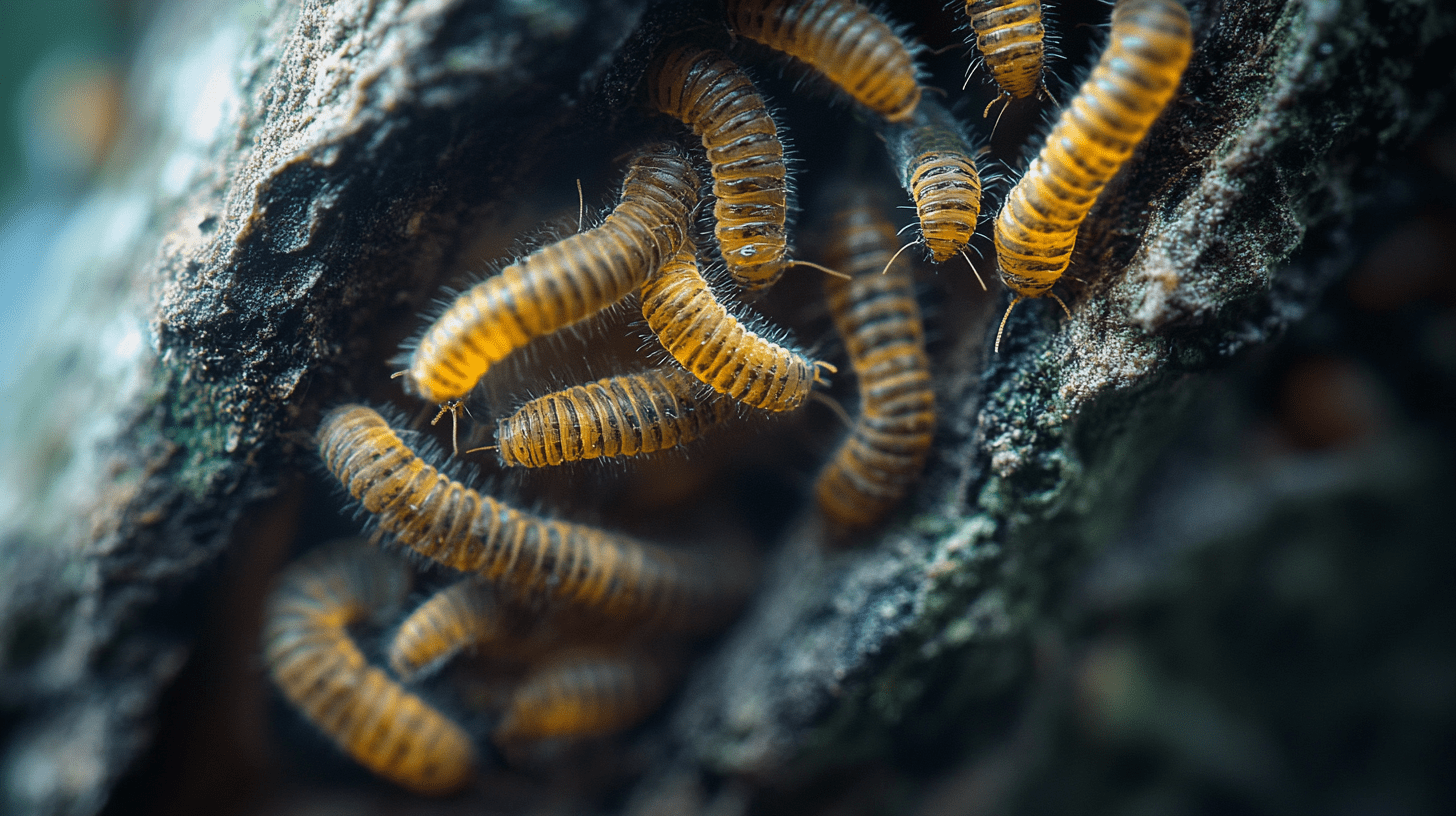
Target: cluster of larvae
{"x": 597, "y": 620}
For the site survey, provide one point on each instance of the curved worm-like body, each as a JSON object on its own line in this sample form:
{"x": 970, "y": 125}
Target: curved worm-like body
{"x": 562, "y": 283}
{"x": 938, "y": 171}
{"x": 841, "y": 39}
{"x": 709, "y": 93}
{"x": 878, "y": 318}
{"x": 576, "y": 694}
{"x": 457, "y": 617}
{"x": 580, "y": 567}
{"x": 625, "y": 415}
{"x": 320, "y": 669}
{"x": 714, "y": 346}
{"x": 1134, "y": 80}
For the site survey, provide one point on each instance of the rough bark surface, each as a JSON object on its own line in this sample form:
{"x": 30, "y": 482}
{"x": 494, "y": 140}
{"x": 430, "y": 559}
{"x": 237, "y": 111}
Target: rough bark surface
{"x": 297, "y": 179}
{"x": 1284, "y": 107}
{"x": 295, "y": 171}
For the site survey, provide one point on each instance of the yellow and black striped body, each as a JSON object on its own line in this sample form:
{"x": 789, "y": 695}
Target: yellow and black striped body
{"x": 1012, "y": 41}
{"x": 938, "y": 170}
{"x": 841, "y": 39}
{"x": 457, "y": 617}
{"x": 715, "y": 347}
{"x": 528, "y": 557}
{"x": 320, "y": 669}
{"x": 709, "y": 93}
{"x": 625, "y": 415}
{"x": 560, "y": 284}
{"x": 585, "y": 693}
{"x": 1135, "y": 78}
{"x": 878, "y": 318}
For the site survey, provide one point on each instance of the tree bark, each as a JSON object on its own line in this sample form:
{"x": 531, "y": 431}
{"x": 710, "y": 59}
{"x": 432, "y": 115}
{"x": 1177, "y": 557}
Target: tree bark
{"x": 297, "y": 181}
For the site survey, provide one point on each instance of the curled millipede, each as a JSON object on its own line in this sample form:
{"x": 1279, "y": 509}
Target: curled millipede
{"x": 715, "y": 347}
{"x": 320, "y": 669}
{"x": 559, "y": 284}
{"x": 625, "y": 415}
{"x": 1135, "y": 78}
{"x": 468, "y": 614}
{"x": 938, "y": 170}
{"x": 1012, "y": 41}
{"x": 457, "y": 617}
{"x": 586, "y": 693}
{"x": 878, "y": 318}
{"x": 841, "y": 39}
{"x": 576, "y": 566}
{"x": 708, "y": 92}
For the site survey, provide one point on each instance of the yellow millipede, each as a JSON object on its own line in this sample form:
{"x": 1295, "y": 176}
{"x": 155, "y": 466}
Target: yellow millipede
{"x": 715, "y": 347}
{"x": 841, "y": 39}
{"x": 626, "y": 415}
{"x": 938, "y": 170}
{"x": 559, "y": 284}
{"x": 585, "y": 693}
{"x": 1012, "y": 41}
{"x": 528, "y": 557}
{"x": 877, "y": 316}
{"x": 1135, "y": 78}
{"x": 319, "y": 668}
{"x": 471, "y": 615}
{"x": 708, "y": 92}
{"x": 457, "y": 617}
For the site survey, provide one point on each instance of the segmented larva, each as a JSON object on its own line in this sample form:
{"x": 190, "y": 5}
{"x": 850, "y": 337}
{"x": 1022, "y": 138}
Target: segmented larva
{"x": 841, "y": 39}
{"x": 1012, "y": 41}
{"x": 560, "y": 284}
{"x": 939, "y": 173}
{"x": 459, "y": 616}
{"x": 708, "y": 92}
{"x": 469, "y": 615}
{"x": 571, "y": 564}
{"x": 714, "y": 346}
{"x": 320, "y": 669}
{"x": 583, "y": 694}
{"x": 878, "y": 318}
{"x": 1134, "y": 80}
{"x": 625, "y": 415}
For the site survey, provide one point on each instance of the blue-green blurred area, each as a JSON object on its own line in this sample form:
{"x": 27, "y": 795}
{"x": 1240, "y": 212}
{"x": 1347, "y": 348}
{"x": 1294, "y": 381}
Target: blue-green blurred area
{"x": 61, "y": 107}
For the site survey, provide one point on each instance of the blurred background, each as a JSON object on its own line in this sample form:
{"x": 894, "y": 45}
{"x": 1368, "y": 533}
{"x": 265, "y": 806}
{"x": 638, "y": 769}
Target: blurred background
{"x": 60, "y": 112}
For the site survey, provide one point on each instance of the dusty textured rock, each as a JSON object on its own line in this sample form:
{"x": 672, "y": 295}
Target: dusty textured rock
{"x": 296, "y": 182}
